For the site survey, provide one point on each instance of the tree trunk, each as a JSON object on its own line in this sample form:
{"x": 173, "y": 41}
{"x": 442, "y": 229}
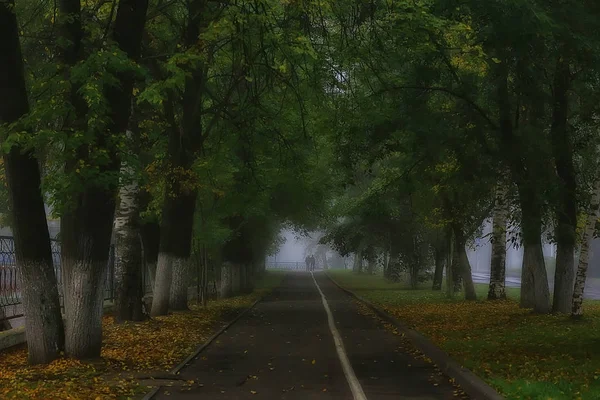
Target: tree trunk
{"x": 162, "y": 284}
{"x": 566, "y": 211}
{"x": 386, "y": 258}
{"x": 582, "y": 267}
{"x": 498, "y": 262}
{"x": 150, "y": 238}
{"x": 128, "y": 248}
{"x": 324, "y": 259}
{"x": 185, "y": 139}
{"x": 449, "y": 269}
{"x": 521, "y": 163}
{"x": 438, "y": 276}
{"x": 371, "y": 266}
{"x": 244, "y": 271}
{"x": 178, "y": 299}
{"x": 235, "y": 279}
{"x": 175, "y": 246}
{"x": 464, "y": 268}
{"x": 86, "y": 226}
{"x": 5, "y": 325}
{"x": 226, "y": 280}
{"x": 456, "y": 268}
{"x": 250, "y": 273}
{"x": 44, "y": 328}
{"x": 357, "y": 268}
{"x": 527, "y": 291}
{"x": 534, "y": 276}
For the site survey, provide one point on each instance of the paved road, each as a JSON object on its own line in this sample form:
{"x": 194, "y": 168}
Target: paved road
{"x": 284, "y": 349}
{"x": 591, "y": 292}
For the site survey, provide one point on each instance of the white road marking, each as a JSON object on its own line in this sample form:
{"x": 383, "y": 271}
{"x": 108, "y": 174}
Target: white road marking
{"x": 357, "y": 390}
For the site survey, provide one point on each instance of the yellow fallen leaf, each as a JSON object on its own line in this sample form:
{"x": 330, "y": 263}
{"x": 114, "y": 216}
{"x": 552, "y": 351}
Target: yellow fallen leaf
{"x": 313, "y": 362}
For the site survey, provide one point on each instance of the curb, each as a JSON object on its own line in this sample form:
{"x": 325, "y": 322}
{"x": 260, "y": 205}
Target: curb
{"x": 471, "y": 384}
{"x": 200, "y": 348}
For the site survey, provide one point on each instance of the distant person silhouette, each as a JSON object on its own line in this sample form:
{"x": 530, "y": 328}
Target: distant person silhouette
{"x": 312, "y": 262}
{"x": 307, "y": 261}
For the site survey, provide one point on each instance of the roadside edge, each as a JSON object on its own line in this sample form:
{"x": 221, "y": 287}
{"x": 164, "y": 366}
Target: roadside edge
{"x": 203, "y": 346}
{"x": 472, "y": 384}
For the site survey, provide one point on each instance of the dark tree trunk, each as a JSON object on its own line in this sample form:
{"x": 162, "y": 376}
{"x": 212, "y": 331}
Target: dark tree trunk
{"x": 566, "y": 211}
{"x": 534, "y": 279}
{"x": 44, "y": 328}
{"x": 521, "y": 165}
{"x": 449, "y": 261}
{"x": 371, "y": 266}
{"x": 87, "y": 225}
{"x": 185, "y": 139}
{"x": 456, "y": 273}
{"x": 438, "y": 276}
{"x": 174, "y": 250}
{"x": 464, "y": 267}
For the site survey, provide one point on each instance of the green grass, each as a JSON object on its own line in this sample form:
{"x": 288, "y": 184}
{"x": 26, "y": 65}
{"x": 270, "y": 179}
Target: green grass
{"x": 522, "y": 355}
{"x": 375, "y": 285}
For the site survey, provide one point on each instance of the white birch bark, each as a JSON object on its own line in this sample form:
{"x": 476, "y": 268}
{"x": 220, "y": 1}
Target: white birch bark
{"x": 498, "y": 258}
{"x": 582, "y": 267}
{"x": 128, "y": 248}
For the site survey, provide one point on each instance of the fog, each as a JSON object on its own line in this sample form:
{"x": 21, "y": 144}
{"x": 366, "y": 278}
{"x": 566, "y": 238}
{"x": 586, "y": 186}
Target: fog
{"x": 296, "y": 247}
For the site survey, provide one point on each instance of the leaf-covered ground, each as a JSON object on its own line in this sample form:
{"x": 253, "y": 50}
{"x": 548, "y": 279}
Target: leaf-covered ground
{"x": 523, "y": 355}
{"x": 130, "y": 352}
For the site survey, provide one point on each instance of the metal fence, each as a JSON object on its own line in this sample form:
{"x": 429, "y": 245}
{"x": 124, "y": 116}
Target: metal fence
{"x": 287, "y": 265}
{"x": 10, "y": 290}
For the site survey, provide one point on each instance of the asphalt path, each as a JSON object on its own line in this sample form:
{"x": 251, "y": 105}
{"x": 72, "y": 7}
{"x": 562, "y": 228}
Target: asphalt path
{"x": 309, "y": 340}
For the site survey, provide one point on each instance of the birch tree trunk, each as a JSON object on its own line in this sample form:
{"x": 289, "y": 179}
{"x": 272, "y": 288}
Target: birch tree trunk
{"x": 128, "y": 248}
{"x": 44, "y": 328}
{"x": 498, "y": 261}
{"x": 582, "y": 267}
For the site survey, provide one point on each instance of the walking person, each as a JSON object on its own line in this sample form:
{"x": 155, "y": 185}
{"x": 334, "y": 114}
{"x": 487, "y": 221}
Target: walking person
{"x": 312, "y": 262}
{"x": 307, "y": 261}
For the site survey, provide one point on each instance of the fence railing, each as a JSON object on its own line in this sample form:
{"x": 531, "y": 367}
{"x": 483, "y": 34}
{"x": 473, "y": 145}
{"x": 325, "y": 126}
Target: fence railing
{"x": 288, "y": 265}
{"x": 10, "y": 290}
